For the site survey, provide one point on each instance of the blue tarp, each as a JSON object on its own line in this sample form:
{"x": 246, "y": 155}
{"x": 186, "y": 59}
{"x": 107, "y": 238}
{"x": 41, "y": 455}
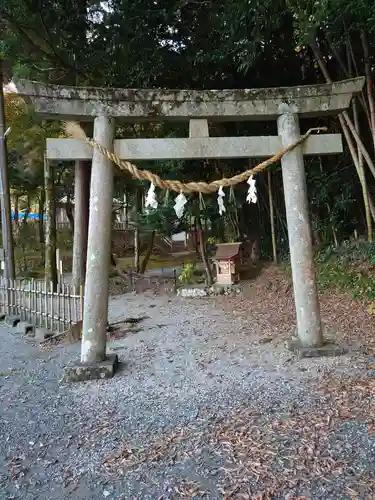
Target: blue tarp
{"x": 31, "y": 216}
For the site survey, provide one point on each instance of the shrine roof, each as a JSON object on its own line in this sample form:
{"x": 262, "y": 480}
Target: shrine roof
{"x": 226, "y": 251}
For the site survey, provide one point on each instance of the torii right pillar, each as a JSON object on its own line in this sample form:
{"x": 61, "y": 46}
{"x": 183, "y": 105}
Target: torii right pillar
{"x": 309, "y": 326}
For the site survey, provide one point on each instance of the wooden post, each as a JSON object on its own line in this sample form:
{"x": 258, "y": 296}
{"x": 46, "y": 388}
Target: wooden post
{"x": 50, "y": 243}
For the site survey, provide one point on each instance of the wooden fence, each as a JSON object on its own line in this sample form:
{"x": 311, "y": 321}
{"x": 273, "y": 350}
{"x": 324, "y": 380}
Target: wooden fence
{"x": 36, "y": 302}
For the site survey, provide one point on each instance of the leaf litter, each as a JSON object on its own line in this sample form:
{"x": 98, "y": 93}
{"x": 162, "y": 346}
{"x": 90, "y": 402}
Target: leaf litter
{"x": 299, "y": 453}
{"x": 270, "y": 455}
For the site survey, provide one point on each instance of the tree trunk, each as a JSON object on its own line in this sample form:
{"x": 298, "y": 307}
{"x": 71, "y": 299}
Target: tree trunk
{"x": 347, "y": 127}
{"x": 41, "y": 222}
{"x": 359, "y": 166}
{"x": 147, "y": 256}
{"x": 126, "y": 211}
{"x": 370, "y": 94}
{"x": 344, "y": 115}
{"x": 82, "y": 174}
{"x": 50, "y": 242}
{"x": 136, "y": 250}
{"x": 203, "y": 251}
{"x": 138, "y": 203}
{"x": 69, "y": 212}
{"x": 348, "y": 74}
{"x": 16, "y": 209}
{"x": 196, "y": 237}
{"x": 5, "y": 205}
{"x": 362, "y": 177}
{"x": 16, "y": 218}
{"x": 272, "y": 218}
{"x": 26, "y": 212}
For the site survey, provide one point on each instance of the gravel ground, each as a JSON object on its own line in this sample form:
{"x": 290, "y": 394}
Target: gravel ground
{"x": 204, "y": 402}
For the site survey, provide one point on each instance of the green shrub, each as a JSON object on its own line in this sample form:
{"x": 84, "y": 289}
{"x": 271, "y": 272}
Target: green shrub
{"x": 187, "y": 273}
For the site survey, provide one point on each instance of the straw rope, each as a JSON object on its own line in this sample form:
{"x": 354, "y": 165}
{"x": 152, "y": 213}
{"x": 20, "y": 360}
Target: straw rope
{"x": 75, "y": 131}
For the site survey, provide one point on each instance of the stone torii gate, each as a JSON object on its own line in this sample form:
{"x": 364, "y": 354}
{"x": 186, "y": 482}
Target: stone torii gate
{"x": 105, "y": 106}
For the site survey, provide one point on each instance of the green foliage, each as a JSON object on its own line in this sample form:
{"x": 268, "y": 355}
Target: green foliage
{"x": 350, "y": 267}
{"x": 187, "y": 273}
{"x": 336, "y": 275}
{"x": 211, "y": 240}
{"x": 349, "y": 252}
{"x": 195, "y": 44}
{"x": 163, "y": 219}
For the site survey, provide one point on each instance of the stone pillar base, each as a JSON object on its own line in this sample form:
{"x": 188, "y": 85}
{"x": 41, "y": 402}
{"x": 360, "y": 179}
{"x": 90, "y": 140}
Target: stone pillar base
{"x": 328, "y": 348}
{"x": 12, "y": 320}
{"x": 78, "y": 372}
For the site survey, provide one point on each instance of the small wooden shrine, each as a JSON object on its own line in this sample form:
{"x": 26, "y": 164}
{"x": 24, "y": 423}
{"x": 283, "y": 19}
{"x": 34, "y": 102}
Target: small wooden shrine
{"x": 229, "y": 260}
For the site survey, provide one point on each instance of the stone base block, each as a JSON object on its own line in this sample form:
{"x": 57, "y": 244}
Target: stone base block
{"x": 327, "y": 349}
{"x": 24, "y": 327}
{"x": 3, "y": 316}
{"x": 77, "y": 372}
{"x": 42, "y": 334}
{"x": 12, "y": 320}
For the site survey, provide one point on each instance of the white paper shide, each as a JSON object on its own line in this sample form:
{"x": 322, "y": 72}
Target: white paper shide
{"x": 252, "y": 191}
{"x": 179, "y": 205}
{"x": 151, "y": 200}
{"x": 220, "y": 200}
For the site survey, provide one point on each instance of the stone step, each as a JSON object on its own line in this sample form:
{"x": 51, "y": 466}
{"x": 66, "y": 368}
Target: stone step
{"x": 12, "y": 320}
{"x": 24, "y": 327}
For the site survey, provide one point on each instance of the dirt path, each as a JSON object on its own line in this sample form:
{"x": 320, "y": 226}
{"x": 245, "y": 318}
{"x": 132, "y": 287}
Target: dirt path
{"x": 203, "y": 403}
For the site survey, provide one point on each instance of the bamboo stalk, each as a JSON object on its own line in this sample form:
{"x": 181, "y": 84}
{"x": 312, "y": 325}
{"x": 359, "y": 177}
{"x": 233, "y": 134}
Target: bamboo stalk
{"x": 32, "y": 305}
{"x": 370, "y": 94}
{"x": 51, "y": 295}
{"x": 45, "y": 304}
{"x": 360, "y": 167}
{"x": 347, "y": 127}
{"x": 69, "y": 308}
{"x": 344, "y": 114}
{"x": 363, "y": 180}
{"x": 59, "y": 308}
{"x": 81, "y": 302}
{"x": 272, "y": 218}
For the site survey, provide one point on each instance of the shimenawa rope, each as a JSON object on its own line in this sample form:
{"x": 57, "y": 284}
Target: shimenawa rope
{"x": 75, "y": 131}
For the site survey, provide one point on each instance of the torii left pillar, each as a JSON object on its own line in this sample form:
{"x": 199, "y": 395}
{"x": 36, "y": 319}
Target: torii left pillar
{"x": 94, "y": 361}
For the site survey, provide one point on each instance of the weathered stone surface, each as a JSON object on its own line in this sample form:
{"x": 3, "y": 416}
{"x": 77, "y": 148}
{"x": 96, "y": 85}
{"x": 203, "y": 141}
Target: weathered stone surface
{"x": 41, "y": 334}
{"x": 94, "y": 331}
{"x": 82, "y": 173}
{"x": 78, "y": 372}
{"x": 206, "y": 291}
{"x": 309, "y": 325}
{"x": 12, "y": 320}
{"x": 24, "y": 327}
{"x": 327, "y": 349}
{"x": 193, "y": 148}
{"x": 198, "y": 128}
{"x": 192, "y": 292}
{"x": 157, "y": 104}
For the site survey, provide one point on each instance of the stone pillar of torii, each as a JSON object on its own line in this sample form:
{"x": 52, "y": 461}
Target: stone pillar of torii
{"x": 106, "y": 106}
